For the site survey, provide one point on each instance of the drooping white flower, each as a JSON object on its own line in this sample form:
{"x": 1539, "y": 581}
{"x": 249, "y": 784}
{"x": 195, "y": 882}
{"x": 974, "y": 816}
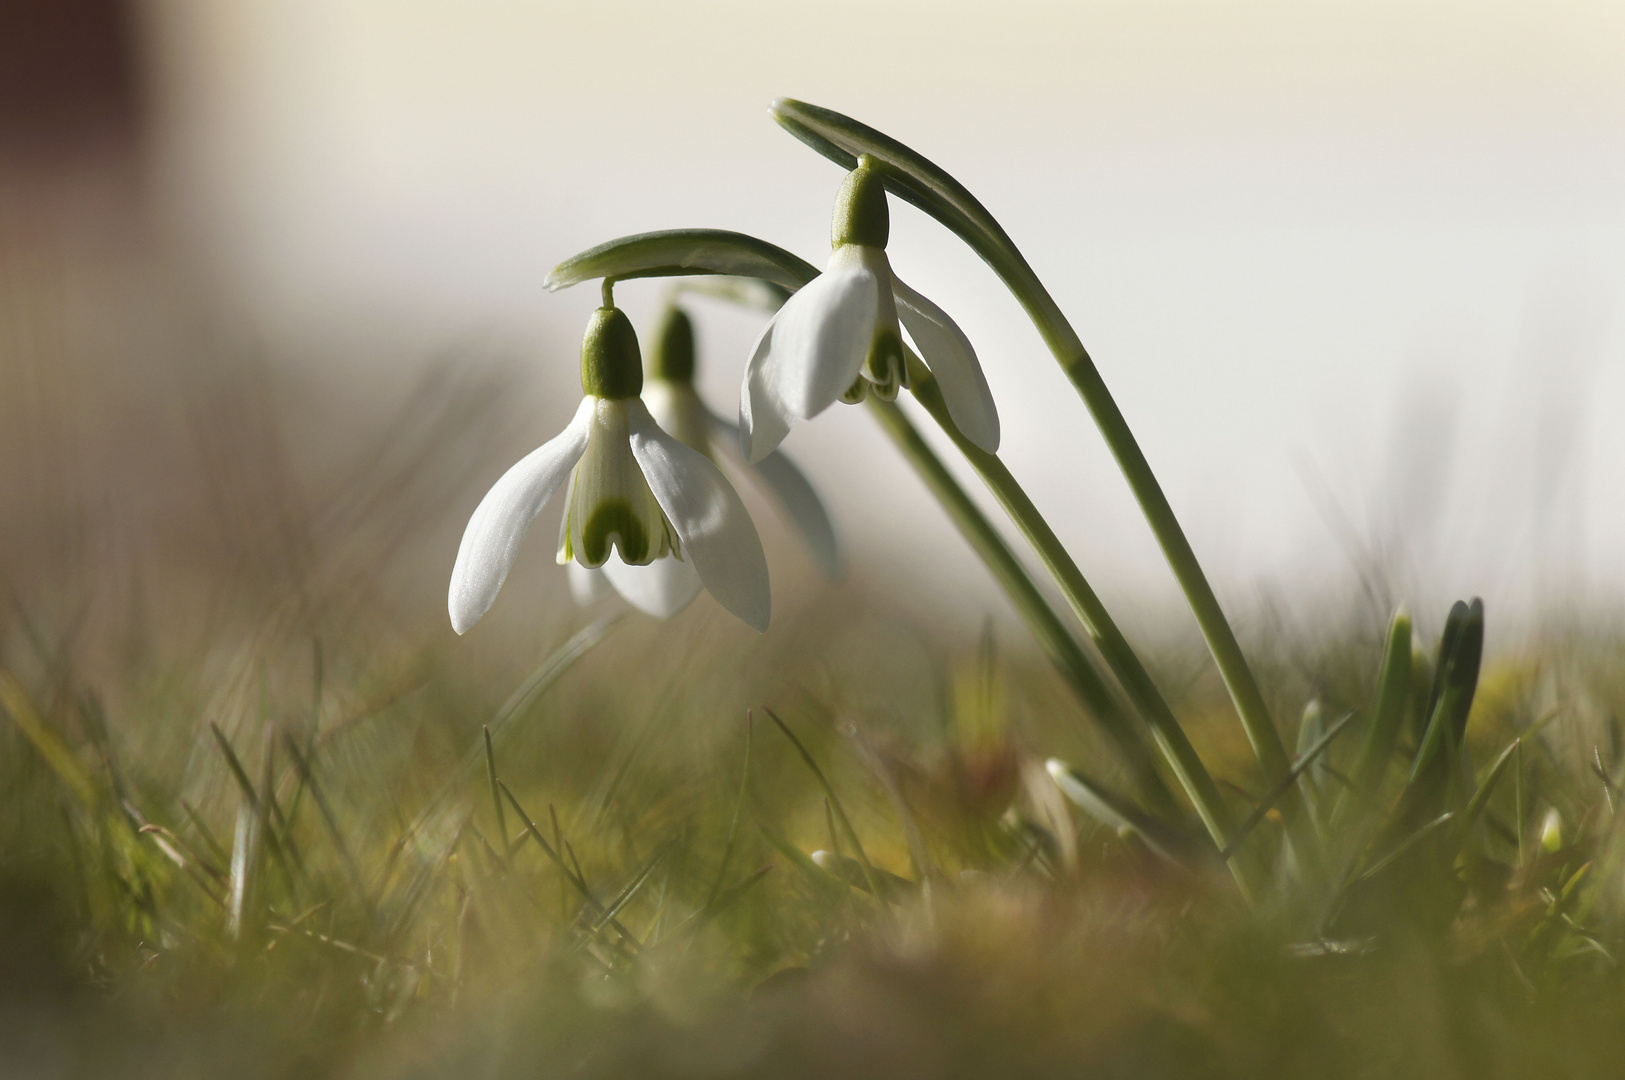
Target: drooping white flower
{"x": 669, "y": 394}
{"x": 658, "y": 517}
{"x": 839, "y": 337}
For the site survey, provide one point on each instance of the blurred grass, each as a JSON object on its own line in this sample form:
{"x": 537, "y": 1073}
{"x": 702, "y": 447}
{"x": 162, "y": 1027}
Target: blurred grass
{"x": 391, "y": 923}
{"x": 251, "y": 824}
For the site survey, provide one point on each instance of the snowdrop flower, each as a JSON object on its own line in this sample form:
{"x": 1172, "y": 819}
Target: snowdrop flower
{"x": 669, "y": 394}
{"x": 655, "y": 515}
{"x": 838, "y": 338}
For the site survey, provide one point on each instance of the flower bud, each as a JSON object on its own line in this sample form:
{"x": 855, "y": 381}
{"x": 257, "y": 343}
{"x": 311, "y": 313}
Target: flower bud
{"x": 673, "y": 355}
{"x": 861, "y": 214}
{"x": 1551, "y": 832}
{"x": 611, "y": 365}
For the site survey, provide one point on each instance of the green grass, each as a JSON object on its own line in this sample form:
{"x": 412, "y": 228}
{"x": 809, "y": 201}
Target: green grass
{"x": 550, "y": 874}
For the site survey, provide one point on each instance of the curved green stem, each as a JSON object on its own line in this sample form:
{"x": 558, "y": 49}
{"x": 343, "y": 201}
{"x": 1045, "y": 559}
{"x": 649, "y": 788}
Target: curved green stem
{"x": 1114, "y": 647}
{"x": 1062, "y": 649}
{"x": 916, "y": 180}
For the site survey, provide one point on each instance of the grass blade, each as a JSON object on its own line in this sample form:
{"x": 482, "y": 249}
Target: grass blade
{"x": 57, "y": 755}
{"x": 1482, "y": 796}
{"x": 1284, "y": 785}
{"x": 739, "y": 805}
{"x": 834, "y": 801}
{"x": 491, "y": 779}
{"x": 1409, "y": 842}
{"x": 352, "y": 869}
{"x": 571, "y": 875}
{"x": 1388, "y": 715}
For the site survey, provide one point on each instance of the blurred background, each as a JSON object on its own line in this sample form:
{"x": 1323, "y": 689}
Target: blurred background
{"x": 272, "y": 315}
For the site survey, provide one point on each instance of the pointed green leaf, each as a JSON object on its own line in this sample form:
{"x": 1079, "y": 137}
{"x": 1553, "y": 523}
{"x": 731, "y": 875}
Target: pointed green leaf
{"x": 1283, "y": 785}
{"x": 1440, "y": 761}
{"x": 1393, "y": 694}
{"x": 1482, "y": 796}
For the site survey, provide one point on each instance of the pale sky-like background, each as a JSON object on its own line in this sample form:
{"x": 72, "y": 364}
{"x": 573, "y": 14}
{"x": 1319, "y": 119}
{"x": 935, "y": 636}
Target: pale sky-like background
{"x": 1355, "y": 271}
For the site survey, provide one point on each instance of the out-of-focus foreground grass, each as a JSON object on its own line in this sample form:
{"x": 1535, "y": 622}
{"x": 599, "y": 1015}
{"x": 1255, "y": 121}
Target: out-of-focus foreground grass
{"x": 260, "y": 816}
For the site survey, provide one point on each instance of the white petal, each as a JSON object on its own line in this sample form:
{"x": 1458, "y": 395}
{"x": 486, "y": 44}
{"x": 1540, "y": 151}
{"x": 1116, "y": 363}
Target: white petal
{"x": 588, "y": 586}
{"x": 818, "y": 344}
{"x": 948, "y": 353}
{"x": 717, "y": 535}
{"x": 662, "y": 588}
{"x": 679, "y": 412}
{"x": 796, "y": 495}
{"x": 764, "y": 420}
{"x": 505, "y": 515}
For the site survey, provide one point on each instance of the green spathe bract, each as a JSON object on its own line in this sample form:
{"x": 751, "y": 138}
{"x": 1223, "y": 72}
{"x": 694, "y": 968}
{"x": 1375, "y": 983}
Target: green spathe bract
{"x": 611, "y": 365}
{"x": 679, "y": 252}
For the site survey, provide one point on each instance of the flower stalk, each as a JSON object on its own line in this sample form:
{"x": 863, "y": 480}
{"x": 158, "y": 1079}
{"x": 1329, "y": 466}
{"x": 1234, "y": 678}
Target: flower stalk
{"x": 1114, "y": 648}
{"x": 1061, "y": 647}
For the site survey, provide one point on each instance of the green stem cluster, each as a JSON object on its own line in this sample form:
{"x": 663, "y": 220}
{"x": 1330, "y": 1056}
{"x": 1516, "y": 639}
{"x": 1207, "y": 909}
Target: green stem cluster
{"x": 1114, "y": 648}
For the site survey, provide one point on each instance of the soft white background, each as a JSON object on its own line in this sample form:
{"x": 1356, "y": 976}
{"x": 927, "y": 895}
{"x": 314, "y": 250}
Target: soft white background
{"x": 1355, "y": 272}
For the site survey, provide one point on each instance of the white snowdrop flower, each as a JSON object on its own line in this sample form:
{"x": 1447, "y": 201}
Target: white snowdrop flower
{"x": 669, "y": 394}
{"x": 839, "y": 337}
{"x": 655, "y": 515}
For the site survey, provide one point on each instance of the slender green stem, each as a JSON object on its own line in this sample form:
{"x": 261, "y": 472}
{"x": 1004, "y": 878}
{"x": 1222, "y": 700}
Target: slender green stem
{"x": 1062, "y": 649}
{"x": 1120, "y": 657}
{"x": 1517, "y": 804}
{"x": 1221, "y": 640}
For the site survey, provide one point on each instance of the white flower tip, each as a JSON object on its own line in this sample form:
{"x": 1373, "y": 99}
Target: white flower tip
{"x": 757, "y": 616}
{"x": 755, "y": 441}
{"x": 463, "y": 617}
{"x": 753, "y": 448}
{"x": 1056, "y": 768}
{"x": 986, "y": 437}
{"x": 466, "y": 602}
{"x": 825, "y": 860}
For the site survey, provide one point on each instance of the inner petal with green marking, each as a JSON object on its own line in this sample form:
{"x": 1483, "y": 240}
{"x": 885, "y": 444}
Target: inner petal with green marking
{"x": 610, "y": 506}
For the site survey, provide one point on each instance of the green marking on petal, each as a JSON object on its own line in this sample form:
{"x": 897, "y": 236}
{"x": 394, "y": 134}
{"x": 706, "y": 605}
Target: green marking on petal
{"x": 614, "y": 522}
{"x": 884, "y": 366}
{"x": 611, "y": 507}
